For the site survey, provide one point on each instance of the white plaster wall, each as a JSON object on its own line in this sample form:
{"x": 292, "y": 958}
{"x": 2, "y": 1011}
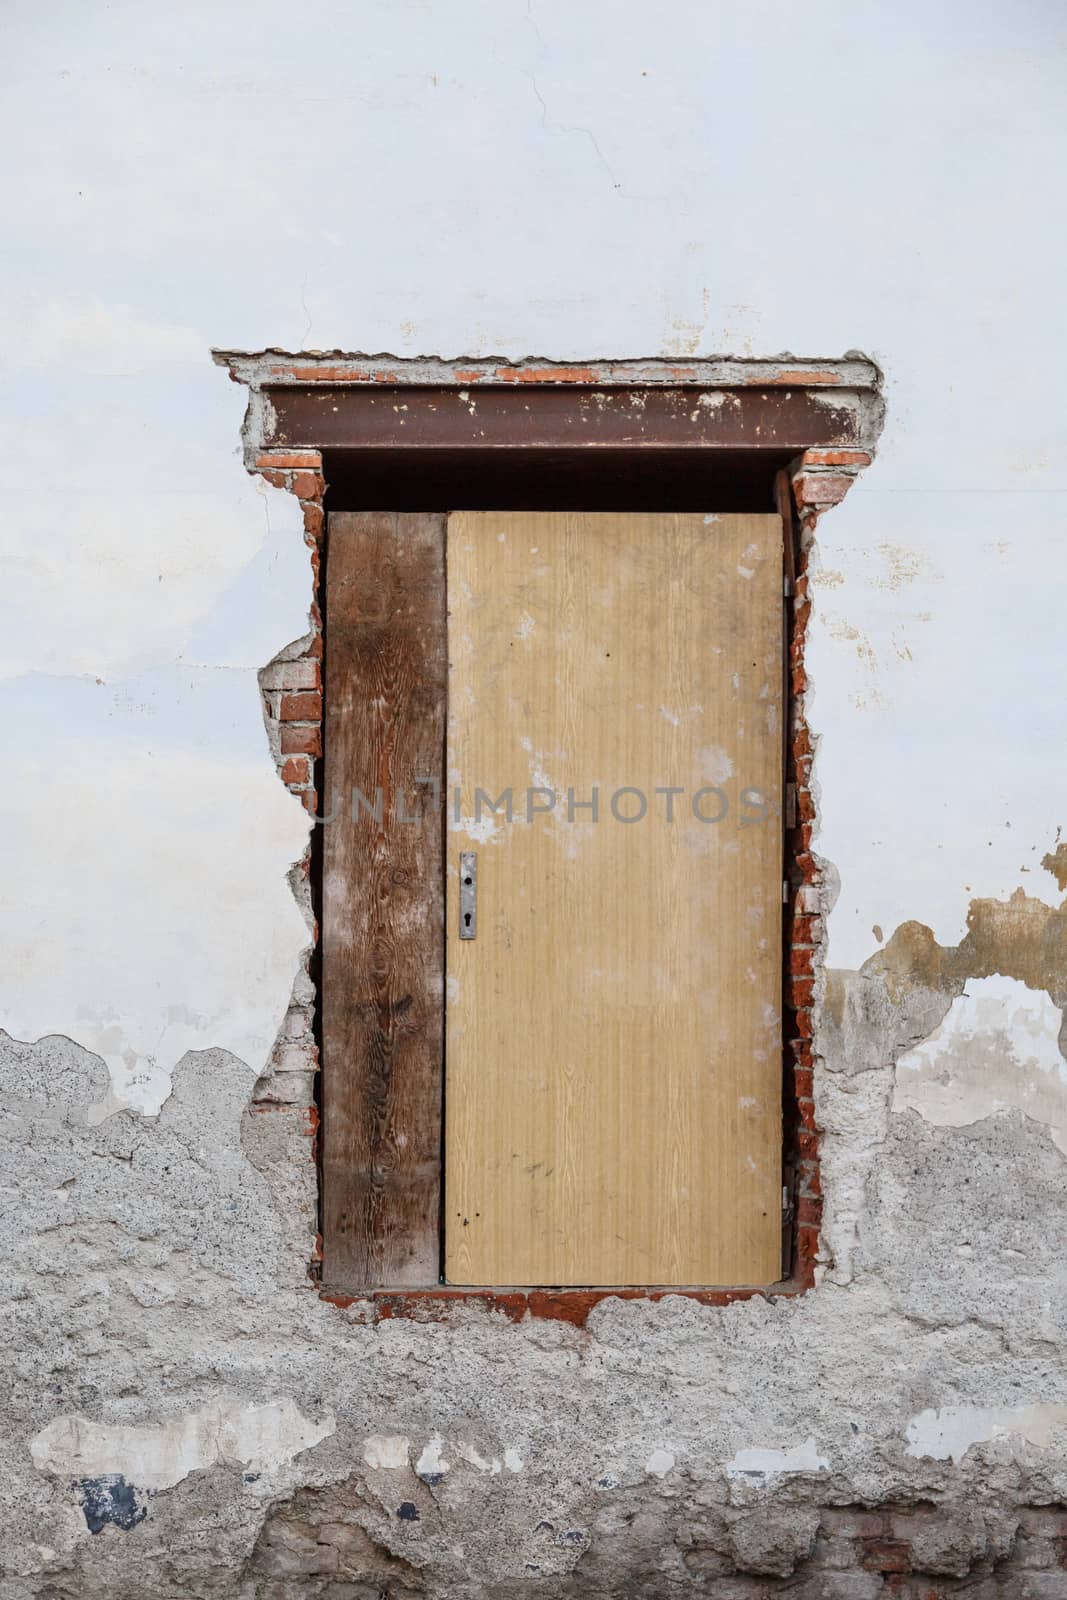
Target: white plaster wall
{"x": 510, "y": 177}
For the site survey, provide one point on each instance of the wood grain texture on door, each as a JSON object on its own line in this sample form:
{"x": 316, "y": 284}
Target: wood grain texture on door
{"x": 613, "y": 1055}
{"x": 382, "y": 931}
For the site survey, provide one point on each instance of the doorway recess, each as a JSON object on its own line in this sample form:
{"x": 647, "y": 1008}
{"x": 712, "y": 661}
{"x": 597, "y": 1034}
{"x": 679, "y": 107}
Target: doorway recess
{"x": 347, "y": 433}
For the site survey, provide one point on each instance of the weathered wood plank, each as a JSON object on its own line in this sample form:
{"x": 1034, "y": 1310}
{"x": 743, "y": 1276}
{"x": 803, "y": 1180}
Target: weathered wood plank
{"x": 558, "y": 416}
{"x": 383, "y": 888}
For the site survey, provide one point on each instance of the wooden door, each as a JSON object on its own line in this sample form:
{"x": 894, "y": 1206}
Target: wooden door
{"x": 613, "y": 1055}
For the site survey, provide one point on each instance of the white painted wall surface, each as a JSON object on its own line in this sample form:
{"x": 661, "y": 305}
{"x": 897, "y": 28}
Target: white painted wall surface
{"x": 513, "y": 178}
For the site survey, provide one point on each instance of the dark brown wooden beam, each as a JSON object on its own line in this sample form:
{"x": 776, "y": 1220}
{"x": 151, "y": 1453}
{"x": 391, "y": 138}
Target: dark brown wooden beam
{"x": 383, "y": 899}
{"x": 561, "y": 417}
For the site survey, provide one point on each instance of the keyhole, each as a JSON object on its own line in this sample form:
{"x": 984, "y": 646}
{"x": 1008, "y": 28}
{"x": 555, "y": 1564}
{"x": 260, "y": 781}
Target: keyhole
{"x": 468, "y": 890}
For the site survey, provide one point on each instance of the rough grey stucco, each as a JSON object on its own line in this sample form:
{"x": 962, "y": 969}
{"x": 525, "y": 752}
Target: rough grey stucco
{"x": 160, "y": 1266}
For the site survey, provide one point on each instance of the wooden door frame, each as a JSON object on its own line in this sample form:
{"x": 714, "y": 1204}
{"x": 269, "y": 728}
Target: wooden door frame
{"x": 810, "y": 425}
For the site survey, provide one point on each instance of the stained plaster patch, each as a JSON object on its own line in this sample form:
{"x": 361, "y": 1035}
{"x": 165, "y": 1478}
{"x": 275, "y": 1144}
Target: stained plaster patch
{"x": 761, "y": 1465}
{"x": 159, "y": 1455}
{"x": 997, "y": 1049}
{"x": 950, "y": 1432}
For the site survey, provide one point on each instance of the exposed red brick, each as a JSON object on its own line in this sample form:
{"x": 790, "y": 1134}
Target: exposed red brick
{"x": 822, "y": 488}
{"x": 305, "y": 707}
{"x": 807, "y": 1248}
{"x": 314, "y": 520}
{"x": 298, "y": 741}
{"x": 801, "y": 992}
{"x": 290, "y": 458}
{"x": 802, "y": 931}
{"x": 804, "y": 863}
{"x": 810, "y": 1179}
{"x": 836, "y": 458}
{"x": 338, "y": 374}
{"x": 294, "y": 675}
{"x": 547, "y": 375}
{"x": 308, "y": 485}
{"x": 886, "y": 1555}
{"x": 801, "y": 378}
{"x": 558, "y": 1305}
{"x": 297, "y": 769}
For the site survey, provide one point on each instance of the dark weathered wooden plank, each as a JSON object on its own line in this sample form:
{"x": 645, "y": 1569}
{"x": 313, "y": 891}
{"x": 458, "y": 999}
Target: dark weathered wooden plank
{"x": 383, "y": 891}
{"x": 564, "y": 416}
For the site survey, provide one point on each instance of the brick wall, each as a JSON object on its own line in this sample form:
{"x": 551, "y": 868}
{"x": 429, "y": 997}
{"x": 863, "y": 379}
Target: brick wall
{"x": 291, "y": 687}
{"x": 325, "y": 1541}
{"x": 926, "y": 1552}
{"x": 819, "y": 479}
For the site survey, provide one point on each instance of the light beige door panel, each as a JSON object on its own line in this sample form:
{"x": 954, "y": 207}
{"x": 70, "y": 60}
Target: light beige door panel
{"x": 613, "y": 1067}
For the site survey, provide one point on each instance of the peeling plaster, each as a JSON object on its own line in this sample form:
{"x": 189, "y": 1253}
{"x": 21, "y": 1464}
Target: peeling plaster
{"x": 998, "y": 1047}
{"x": 761, "y": 1465}
{"x": 949, "y": 1433}
{"x": 1019, "y": 937}
{"x": 159, "y": 1455}
{"x": 1056, "y": 863}
{"x": 390, "y": 1452}
{"x": 660, "y": 1462}
{"x": 431, "y": 1463}
{"x": 474, "y": 1458}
